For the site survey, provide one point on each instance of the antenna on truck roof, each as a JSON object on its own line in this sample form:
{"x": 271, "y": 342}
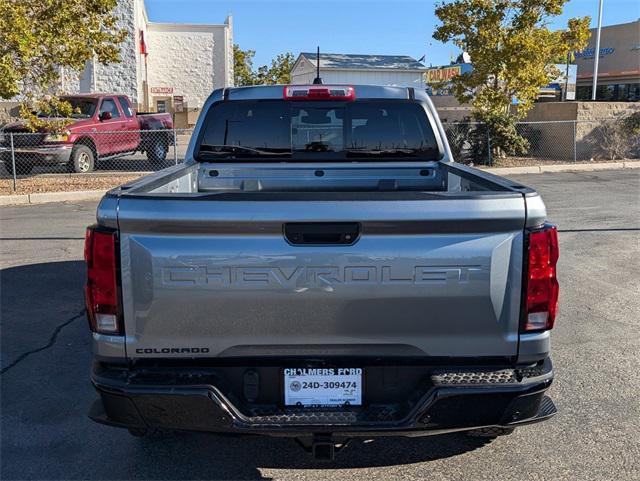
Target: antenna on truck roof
{"x": 317, "y": 80}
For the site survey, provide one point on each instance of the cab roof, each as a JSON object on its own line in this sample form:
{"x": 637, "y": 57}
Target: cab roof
{"x": 274, "y": 92}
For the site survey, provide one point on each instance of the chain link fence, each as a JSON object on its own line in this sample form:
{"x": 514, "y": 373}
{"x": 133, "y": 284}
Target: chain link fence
{"x": 548, "y": 142}
{"x": 26, "y": 155}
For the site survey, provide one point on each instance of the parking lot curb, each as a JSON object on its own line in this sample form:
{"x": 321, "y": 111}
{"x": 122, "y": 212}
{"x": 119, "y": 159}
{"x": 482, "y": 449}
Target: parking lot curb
{"x": 533, "y": 169}
{"x": 65, "y": 196}
{"x": 45, "y": 197}
{"x": 582, "y": 167}
{"x": 539, "y": 169}
{"x": 14, "y": 199}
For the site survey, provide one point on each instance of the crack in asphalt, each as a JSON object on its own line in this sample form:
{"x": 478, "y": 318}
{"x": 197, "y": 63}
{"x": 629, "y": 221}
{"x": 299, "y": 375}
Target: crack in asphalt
{"x": 52, "y": 341}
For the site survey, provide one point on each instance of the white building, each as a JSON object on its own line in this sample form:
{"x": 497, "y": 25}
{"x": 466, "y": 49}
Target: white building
{"x": 399, "y": 70}
{"x": 164, "y": 66}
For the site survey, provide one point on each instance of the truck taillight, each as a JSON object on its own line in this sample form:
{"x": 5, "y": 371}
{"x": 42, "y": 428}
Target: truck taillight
{"x": 101, "y": 290}
{"x": 319, "y": 92}
{"x": 542, "y": 283}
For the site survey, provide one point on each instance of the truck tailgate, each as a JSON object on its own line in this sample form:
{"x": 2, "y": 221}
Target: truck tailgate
{"x": 217, "y": 278}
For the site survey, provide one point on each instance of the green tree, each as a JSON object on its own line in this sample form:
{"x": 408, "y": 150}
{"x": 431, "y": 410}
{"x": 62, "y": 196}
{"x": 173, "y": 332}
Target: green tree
{"x": 243, "y": 66}
{"x": 279, "y": 72}
{"x": 512, "y": 51}
{"x": 38, "y": 37}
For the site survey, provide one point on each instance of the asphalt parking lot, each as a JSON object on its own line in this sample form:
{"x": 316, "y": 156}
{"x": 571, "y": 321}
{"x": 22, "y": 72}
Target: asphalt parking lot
{"x": 45, "y": 433}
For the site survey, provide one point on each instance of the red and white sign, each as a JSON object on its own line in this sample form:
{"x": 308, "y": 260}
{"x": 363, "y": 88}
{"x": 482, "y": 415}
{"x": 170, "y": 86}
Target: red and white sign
{"x": 162, "y": 90}
{"x": 443, "y": 74}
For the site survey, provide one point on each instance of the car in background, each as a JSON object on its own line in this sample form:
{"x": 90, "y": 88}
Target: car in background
{"x": 103, "y": 127}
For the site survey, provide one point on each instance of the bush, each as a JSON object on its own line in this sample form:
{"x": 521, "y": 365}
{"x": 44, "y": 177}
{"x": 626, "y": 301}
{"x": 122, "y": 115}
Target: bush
{"x": 458, "y": 137}
{"x": 467, "y": 141}
{"x": 505, "y": 139}
{"x": 616, "y": 139}
{"x": 479, "y": 138}
{"x": 631, "y": 123}
{"x": 533, "y": 136}
{"x": 631, "y": 130}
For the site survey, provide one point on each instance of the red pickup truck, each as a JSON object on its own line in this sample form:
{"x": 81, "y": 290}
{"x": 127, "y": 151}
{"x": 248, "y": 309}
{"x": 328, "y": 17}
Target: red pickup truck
{"x": 105, "y": 126}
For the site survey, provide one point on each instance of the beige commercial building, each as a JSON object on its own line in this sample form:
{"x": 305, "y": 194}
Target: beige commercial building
{"x": 164, "y": 67}
{"x": 619, "y": 64}
{"x": 355, "y": 69}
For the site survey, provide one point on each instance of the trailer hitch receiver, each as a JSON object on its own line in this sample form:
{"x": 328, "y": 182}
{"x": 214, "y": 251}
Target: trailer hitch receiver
{"x": 323, "y": 447}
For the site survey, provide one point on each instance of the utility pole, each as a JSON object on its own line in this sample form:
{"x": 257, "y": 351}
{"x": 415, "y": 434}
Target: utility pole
{"x": 566, "y": 76}
{"x": 596, "y": 54}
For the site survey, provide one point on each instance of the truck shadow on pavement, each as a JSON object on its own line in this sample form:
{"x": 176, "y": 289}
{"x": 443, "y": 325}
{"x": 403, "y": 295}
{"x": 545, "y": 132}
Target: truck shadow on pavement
{"x": 46, "y": 393}
{"x": 234, "y": 454}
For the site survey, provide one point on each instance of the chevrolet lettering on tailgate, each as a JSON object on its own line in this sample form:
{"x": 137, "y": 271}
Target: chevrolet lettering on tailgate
{"x": 304, "y": 276}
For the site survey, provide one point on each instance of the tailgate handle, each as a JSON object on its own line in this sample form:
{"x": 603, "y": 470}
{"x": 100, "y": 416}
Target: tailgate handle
{"x": 322, "y": 233}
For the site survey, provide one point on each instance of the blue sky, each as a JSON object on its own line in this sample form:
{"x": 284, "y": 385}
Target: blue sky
{"x": 347, "y": 26}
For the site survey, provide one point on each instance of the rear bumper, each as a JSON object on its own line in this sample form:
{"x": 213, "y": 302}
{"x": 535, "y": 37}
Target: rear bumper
{"x": 41, "y": 155}
{"x": 452, "y": 399}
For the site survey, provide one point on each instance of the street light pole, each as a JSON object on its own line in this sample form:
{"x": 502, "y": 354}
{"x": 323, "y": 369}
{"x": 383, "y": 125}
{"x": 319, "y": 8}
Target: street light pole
{"x": 596, "y": 54}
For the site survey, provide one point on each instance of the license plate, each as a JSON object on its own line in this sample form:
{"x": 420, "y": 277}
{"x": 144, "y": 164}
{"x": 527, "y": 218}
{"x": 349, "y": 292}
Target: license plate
{"x": 322, "y": 387}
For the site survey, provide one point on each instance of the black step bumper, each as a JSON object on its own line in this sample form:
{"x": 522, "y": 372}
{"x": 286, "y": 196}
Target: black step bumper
{"x": 446, "y": 400}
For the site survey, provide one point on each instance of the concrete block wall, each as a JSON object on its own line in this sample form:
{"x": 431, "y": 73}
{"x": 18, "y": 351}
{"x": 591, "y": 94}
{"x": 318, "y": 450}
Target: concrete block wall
{"x": 596, "y": 127}
{"x": 565, "y": 130}
{"x": 183, "y": 58}
{"x": 605, "y": 110}
{"x": 546, "y": 111}
{"x": 449, "y": 109}
{"x": 229, "y": 53}
{"x": 140, "y": 20}
{"x": 121, "y": 77}
{"x": 114, "y": 77}
{"x": 193, "y": 60}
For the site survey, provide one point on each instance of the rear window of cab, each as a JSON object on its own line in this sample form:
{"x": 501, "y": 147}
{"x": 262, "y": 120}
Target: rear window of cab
{"x": 313, "y": 131}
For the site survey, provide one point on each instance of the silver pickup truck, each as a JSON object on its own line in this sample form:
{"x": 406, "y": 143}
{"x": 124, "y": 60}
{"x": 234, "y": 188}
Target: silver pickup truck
{"x": 320, "y": 268}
